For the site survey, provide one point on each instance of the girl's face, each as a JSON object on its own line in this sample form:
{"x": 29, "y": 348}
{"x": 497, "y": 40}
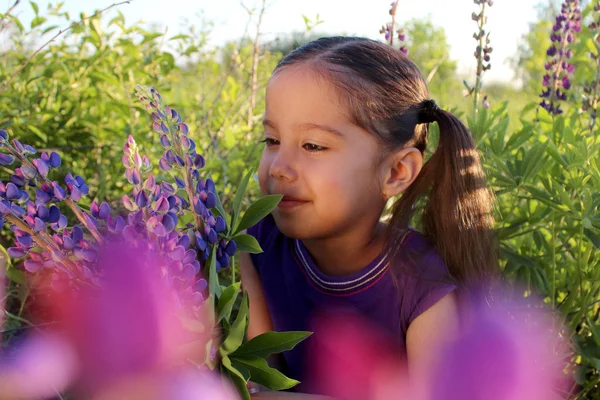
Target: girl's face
{"x": 325, "y": 166}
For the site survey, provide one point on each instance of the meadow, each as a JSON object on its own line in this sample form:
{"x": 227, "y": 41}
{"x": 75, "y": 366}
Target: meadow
{"x": 79, "y": 98}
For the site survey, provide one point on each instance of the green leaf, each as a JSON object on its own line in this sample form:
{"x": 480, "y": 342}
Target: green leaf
{"x": 534, "y": 161}
{"x": 151, "y": 36}
{"x": 237, "y": 200}
{"x": 258, "y": 210}
{"x": 517, "y": 258}
{"x": 48, "y": 29}
{"x": 190, "y": 50}
{"x": 17, "y": 22}
{"x": 16, "y": 276}
{"x": 261, "y": 373}
{"x": 269, "y": 343}
{"x": 226, "y": 301}
{"x": 35, "y": 7}
{"x": 247, "y": 244}
{"x": 555, "y": 154}
{"x": 595, "y": 330}
{"x": 236, "y": 334}
{"x": 37, "y": 21}
{"x": 181, "y": 36}
{"x": 213, "y": 280}
{"x": 591, "y": 235}
{"x": 236, "y": 377}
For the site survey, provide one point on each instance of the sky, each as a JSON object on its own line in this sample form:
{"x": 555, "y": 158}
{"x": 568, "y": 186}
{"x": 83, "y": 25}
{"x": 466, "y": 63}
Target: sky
{"x": 508, "y": 20}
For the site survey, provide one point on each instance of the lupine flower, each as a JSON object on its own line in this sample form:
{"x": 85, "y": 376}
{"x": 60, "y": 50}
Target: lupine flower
{"x": 485, "y": 102}
{"x": 482, "y": 53}
{"x": 389, "y": 30}
{"x": 591, "y": 90}
{"x": 180, "y": 154}
{"x": 557, "y": 80}
{"x": 71, "y": 257}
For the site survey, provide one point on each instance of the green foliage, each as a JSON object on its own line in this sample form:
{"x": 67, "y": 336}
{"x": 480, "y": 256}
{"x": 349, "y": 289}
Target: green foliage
{"x": 546, "y": 176}
{"x": 76, "y": 97}
{"x": 430, "y": 50}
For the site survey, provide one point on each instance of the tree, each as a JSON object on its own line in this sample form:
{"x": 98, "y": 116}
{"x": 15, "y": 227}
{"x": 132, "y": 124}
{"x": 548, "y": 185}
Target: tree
{"x": 429, "y": 49}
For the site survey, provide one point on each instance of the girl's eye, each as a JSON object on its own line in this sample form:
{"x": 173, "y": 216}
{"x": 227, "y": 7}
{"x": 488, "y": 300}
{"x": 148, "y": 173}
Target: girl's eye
{"x": 270, "y": 142}
{"x": 314, "y": 147}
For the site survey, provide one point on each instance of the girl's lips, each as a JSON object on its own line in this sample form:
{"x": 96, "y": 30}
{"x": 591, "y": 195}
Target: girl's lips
{"x": 290, "y": 202}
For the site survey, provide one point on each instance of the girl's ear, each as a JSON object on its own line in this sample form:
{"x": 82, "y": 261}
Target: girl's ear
{"x": 399, "y": 170}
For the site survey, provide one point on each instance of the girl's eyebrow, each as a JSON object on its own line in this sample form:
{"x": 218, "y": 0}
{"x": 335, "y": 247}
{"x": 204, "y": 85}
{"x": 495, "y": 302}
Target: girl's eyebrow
{"x": 267, "y": 122}
{"x": 308, "y": 126}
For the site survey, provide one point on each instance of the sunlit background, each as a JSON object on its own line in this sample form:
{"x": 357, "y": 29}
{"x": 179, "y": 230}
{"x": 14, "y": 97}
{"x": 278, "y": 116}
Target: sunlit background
{"x": 226, "y": 20}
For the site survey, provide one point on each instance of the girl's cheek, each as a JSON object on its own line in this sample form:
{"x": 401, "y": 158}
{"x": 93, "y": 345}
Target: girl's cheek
{"x": 263, "y": 175}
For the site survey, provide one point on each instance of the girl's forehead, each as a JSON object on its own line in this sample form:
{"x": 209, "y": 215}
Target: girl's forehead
{"x": 300, "y": 91}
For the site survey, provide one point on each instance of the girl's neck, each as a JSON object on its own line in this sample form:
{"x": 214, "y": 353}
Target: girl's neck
{"x": 349, "y": 253}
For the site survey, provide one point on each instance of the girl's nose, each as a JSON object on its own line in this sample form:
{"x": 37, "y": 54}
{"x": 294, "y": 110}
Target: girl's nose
{"x": 283, "y": 166}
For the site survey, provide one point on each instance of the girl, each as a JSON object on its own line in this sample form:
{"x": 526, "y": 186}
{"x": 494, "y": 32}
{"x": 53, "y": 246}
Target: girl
{"x": 346, "y": 129}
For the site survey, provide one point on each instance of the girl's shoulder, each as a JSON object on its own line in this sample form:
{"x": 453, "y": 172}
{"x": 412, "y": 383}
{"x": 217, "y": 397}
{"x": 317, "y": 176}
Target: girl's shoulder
{"x": 421, "y": 275}
{"x": 417, "y": 254}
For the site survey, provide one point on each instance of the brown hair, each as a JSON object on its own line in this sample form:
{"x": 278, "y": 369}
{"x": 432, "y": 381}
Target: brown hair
{"x": 387, "y": 96}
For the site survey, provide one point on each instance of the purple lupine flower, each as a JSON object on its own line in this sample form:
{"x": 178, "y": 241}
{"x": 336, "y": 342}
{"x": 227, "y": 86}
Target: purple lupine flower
{"x": 220, "y": 225}
{"x": 6, "y": 159}
{"x": 16, "y": 252}
{"x": 60, "y": 224}
{"x": 182, "y": 157}
{"x": 18, "y": 146}
{"x": 180, "y": 183}
{"x": 4, "y": 207}
{"x": 591, "y": 89}
{"x": 104, "y": 211}
{"x": 25, "y": 239}
{"x": 231, "y": 248}
{"x": 41, "y": 166}
{"x": 76, "y": 186}
{"x": 164, "y": 141}
{"x": 164, "y": 128}
{"x": 128, "y": 204}
{"x": 12, "y": 191}
{"x": 28, "y": 172}
{"x": 557, "y": 81}
{"x": 54, "y": 160}
{"x": 133, "y": 175}
{"x": 53, "y": 214}
{"x": 183, "y": 128}
{"x": 141, "y": 199}
{"x": 389, "y": 31}
{"x": 169, "y": 222}
{"x": 17, "y": 178}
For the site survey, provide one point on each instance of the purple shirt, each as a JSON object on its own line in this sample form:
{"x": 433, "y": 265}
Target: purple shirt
{"x": 389, "y": 294}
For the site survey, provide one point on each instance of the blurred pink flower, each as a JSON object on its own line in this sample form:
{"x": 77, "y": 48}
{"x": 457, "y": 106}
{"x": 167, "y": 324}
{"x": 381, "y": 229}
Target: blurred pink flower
{"x": 512, "y": 350}
{"x": 134, "y": 331}
{"x": 509, "y": 351}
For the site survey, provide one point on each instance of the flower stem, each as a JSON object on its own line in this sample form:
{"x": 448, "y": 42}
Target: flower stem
{"x": 480, "y": 70}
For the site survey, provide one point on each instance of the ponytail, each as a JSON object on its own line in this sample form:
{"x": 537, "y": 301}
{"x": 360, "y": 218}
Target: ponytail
{"x": 457, "y": 216}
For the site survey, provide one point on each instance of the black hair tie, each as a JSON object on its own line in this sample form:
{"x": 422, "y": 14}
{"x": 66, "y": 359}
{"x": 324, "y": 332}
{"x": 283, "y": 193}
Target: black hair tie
{"x": 428, "y": 111}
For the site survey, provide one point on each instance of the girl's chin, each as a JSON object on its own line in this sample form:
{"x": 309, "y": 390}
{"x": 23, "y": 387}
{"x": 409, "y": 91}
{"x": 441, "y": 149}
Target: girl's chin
{"x": 293, "y": 228}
